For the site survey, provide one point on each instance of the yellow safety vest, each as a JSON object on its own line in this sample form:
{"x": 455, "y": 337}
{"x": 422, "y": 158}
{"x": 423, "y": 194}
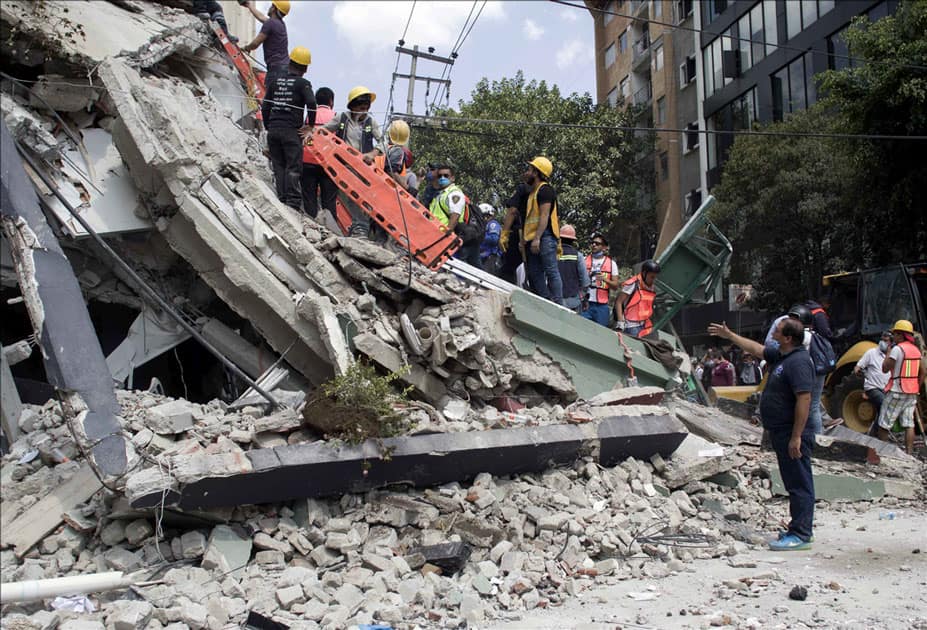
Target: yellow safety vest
{"x": 533, "y": 217}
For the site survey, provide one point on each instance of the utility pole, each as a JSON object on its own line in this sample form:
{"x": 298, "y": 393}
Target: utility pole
{"x": 412, "y": 77}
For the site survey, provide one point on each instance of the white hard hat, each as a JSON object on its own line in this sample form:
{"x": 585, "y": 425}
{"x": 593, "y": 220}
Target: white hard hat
{"x": 486, "y": 208}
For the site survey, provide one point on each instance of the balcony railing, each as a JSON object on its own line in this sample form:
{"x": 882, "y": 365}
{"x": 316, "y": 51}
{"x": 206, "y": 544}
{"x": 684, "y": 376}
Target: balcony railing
{"x": 641, "y": 50}
{"x": 643, "y": 95}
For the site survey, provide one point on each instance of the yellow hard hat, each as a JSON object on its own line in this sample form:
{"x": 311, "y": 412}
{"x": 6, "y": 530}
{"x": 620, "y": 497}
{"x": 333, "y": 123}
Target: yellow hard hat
{"x": 543, "y": 165}
{"x": 399, "y": 132}
{"x": 360, "y": 90}
{"x": 903, "y": 325}
{"x": 301, "y": 55}
{"x": 282, "y": 5}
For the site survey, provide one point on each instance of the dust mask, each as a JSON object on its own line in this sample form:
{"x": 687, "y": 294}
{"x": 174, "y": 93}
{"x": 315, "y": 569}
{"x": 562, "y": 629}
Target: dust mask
{"x": 883, "y": 346}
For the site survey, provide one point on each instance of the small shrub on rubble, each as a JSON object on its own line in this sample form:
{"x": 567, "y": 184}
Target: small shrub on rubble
{"x": 358, "y": 405}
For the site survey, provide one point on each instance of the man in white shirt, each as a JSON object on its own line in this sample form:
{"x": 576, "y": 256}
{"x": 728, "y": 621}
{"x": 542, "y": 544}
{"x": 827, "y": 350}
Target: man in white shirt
{"x": 874, "y": 379}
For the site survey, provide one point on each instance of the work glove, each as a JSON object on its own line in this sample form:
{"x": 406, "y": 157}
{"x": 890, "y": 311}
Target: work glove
{"x": 504, "y": 240}
{"x": 620, "y": 325}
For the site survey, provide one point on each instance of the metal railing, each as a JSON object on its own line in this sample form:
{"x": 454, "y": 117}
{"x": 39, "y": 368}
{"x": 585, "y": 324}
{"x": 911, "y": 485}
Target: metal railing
{"x": 643, "y": 95}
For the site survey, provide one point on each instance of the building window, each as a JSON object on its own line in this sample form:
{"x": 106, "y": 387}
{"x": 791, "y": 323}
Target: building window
{"x": 657, "y": 8}
{"x": 693, "y": 201}
{"x": 692, "y": 135}
{"x": 757, "y": 49}
{"x": 608, "y": 16}
{"x": 609, "y": 55}
{"x": 792, "y": 19}
{"x": 687, "y": 71}
{"x": 626, "y": 88}
{"x": 793, "y": 87}
{"x": 771, "y": 26}
{"x": 623, "y": 42}
{"x": 661, "y": 111}
{"x": 683, "y": 10}
{"x": 838, "y": 54}
{"x": 664, "y": 165}
{"x": 613, "y": 97}
{"x": 658, "y": 57}
{"x": 711, "y": 9}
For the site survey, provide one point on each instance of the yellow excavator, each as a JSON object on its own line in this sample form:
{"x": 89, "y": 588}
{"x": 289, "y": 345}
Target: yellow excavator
{"x": 862, "y": 304}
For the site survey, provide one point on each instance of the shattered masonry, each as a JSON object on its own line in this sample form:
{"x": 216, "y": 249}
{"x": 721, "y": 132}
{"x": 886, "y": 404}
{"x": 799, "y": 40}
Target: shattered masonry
{"x": 477, "y": 515}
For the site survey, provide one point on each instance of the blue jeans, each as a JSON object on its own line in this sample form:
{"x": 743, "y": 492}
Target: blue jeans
{"x": 469, "y": 254}
{"x": 634, "y": 329}
{"x": 875, "y": 397}
{"x": 543, "y": 269}
{"x": 598, "y": 313}
{"x": 815, "y": 422}
{"x": 797, "y": 479}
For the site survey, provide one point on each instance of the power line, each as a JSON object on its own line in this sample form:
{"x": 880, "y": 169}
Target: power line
{"x": 392, "y": 86}
{"x": 446, "y": 86}
{"x": 453, "y": 55}
{"x": 721, "y": 132}
{"x": 422, "y": 120}
{"x": 692, "y": 29}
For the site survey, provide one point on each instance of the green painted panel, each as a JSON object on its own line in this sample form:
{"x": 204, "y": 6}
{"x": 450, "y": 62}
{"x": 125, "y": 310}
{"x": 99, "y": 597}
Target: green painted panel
{"x": 829, "y": 487}
{"x": 590, "y": 353}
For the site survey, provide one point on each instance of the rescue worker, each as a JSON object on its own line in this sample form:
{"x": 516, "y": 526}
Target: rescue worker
{"x": 393, "y": 162}
{"x": 905, "y": 364}
{"x": 634, "y": 305}
{"x": 314, "y": 182}
{"x": 490, "y": 252}
{"x": 603, "y": 275}
{"x": 573, "y": 273}
{"x": 540, "y": 231}
{"x": 450, "y": 207}
{"x": 283, "y": 112}
{"x": 361, "y": 131}
{"x": 212, "y": 10}
{"x": 273, "y": 38}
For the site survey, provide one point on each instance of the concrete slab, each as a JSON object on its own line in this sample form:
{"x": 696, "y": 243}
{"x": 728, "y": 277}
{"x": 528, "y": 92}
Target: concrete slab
{"x": 318, "y": 469}
{"x": 828, "y": 487}
{"x": 591, "y": 354}
{"x": 698, "y": 459}
{"x": 717, "y": 426}
{"x": 428, "y": 386}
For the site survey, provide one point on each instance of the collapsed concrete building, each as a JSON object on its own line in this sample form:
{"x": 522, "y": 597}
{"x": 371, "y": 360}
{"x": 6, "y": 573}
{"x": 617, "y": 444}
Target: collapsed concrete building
{"x": 133, "y": 181}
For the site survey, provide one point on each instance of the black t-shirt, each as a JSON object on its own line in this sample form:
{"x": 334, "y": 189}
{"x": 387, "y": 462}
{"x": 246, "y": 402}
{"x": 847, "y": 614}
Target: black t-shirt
{"x": 519, "y": 201}
{"x": 789, "y": 375}
{"x": 284, "y": 102}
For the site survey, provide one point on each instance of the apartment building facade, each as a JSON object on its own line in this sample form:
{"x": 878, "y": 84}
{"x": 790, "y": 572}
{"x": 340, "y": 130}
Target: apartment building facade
{"x": 714, "y": 65}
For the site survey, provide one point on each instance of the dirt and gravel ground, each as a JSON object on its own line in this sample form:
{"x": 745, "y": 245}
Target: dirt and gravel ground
{"x": 863, "y": 572}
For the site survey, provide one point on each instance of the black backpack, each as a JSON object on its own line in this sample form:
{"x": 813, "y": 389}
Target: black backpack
{"x": 474, "y": 229}
{"x": 822, "y": 354}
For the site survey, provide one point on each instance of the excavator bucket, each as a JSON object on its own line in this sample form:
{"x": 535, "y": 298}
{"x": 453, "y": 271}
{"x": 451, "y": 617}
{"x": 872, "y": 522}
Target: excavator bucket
{"x": 407, "y": 221}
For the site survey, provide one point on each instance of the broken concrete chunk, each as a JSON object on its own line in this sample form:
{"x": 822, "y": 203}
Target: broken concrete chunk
{"x": 190, "y": 468}
{"x": 450, "y": 557}
{"x": 172, "y": 417}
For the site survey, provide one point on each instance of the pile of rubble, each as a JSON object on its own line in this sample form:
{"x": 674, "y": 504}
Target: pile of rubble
{"x": 455, "y": 554}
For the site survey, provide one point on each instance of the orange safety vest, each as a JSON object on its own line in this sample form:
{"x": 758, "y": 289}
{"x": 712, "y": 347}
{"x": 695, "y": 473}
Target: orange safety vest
{"x": 380, "y": 162}
{"x": 640, "y": 305}
{"x": 601, "y": 289}
{"x": 910, "y": 368}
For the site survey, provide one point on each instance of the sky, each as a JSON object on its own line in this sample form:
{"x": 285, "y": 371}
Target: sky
{"x": 353, "y": 43}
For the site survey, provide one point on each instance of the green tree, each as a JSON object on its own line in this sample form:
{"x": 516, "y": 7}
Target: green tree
{"x": 887, "y": 95}
{"x": 601, "y": 180}
{"x": 782, "y": 202}
{"x": 798, "y": 207}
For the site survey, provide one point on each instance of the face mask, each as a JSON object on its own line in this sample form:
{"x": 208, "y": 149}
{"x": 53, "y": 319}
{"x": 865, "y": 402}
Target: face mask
{"x": 598, "y": 254}
{"x": 444, "y": 181}
{"x": 883, "y": 346}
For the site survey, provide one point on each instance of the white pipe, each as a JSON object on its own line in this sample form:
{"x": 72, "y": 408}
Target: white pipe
{"x": 32, "y": 590}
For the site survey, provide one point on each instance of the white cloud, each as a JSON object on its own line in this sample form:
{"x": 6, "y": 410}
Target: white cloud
{"x": 569, "y": 15}
{"x": 532, "y": 30}
{"x": 375, "y": 27}
{"x": 573, "y": 52}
